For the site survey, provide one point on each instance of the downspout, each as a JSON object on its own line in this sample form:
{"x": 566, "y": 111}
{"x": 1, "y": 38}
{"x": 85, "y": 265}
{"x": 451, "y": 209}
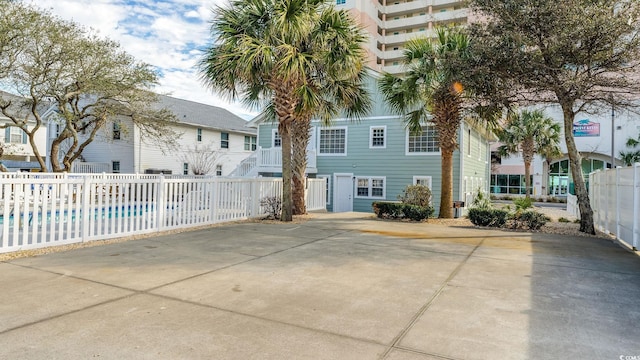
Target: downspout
{"x": 461, "y": 157}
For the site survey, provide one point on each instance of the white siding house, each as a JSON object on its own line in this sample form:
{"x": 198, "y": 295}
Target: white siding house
{"x": 18, "y": 154}
{"x": 202, "y": 128}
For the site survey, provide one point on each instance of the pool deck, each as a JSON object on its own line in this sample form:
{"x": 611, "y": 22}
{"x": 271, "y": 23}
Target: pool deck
{"x": 339, "y": 286}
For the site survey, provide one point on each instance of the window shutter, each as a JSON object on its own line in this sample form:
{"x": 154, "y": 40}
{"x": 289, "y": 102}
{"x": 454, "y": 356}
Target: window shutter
{"x": 7, "y": 135}
{"x": 24, "y": 137}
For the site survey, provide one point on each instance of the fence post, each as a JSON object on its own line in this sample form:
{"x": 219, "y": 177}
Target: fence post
{"x": 618, "y": 202}
{"x": 636, "y": 206}
{"x": 86, "y": 211}
{"x": 161, "y": 204}
{"x": 255, "y": 197}
{"x": 215, "y": 191}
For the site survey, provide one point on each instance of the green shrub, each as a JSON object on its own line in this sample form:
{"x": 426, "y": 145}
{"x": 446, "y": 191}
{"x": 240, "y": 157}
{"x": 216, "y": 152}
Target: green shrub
{"x": 390, "y": 210}
{"x": 563, "y": 220}
{"x": 481, "y": 201}
{"x": 523, "y": 203}
{"x": 417, "y": 213}
{"x": 488, "y": 217}
{"x": 387, "y": 210}
{"x": 531, "y": 220}
{"x": 416, "y": 195}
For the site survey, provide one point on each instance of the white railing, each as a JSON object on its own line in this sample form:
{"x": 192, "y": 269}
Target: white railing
{"x": 572, "y": 205}
{"x": 90, "y": 167}
{"x": 615, "y": 200}
{"x": 267, "y": 160}
{"x": 56, "y": 209}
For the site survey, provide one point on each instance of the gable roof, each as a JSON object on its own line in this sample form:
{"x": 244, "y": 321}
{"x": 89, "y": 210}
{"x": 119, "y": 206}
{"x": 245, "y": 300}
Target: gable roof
{"x": 203, "y": 115}
{"x": 19, "y": 106}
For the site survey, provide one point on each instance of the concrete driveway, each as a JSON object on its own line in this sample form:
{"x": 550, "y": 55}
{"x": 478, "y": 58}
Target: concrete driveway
{"x": 340, "y": 286}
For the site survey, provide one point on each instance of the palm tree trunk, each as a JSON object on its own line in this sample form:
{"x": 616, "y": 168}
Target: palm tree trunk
{"x": 446, "y": 194}
{"x": 575, "y": 163}
{"x": 284, "y": 128}
{"x": 527, "y": 178}
{"x": 300, "y": 140}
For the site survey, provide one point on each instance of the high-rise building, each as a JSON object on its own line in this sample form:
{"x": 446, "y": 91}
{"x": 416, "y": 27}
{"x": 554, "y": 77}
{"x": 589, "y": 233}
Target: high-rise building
{"x": 391, "y": 23}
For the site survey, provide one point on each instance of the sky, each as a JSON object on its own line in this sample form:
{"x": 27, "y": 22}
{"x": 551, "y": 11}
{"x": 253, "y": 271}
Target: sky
{"x": 169, "y": 35}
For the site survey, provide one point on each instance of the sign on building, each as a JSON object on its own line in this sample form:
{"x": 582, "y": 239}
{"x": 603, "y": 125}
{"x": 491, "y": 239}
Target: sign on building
{"x": 585, "y": 127}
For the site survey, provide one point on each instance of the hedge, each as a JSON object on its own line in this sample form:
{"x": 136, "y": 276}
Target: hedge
{"x": 393, "y": 210}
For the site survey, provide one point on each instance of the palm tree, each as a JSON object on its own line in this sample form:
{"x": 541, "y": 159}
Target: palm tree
{"x": 631, "y": 157}
{"x": 268, "y": 51}
{"x": 430, "y": 91}
{"x": 529, "y": 133}
{"x": 337, "y": 94}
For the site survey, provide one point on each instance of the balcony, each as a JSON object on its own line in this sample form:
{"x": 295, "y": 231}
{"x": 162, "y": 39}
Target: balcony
{"x": 404, "y": 8}
{"x": 447, "y": 16}
{"x": 403, "y": 38}
{"x": 407, "y": 23}
{"x": 269, "y": 161}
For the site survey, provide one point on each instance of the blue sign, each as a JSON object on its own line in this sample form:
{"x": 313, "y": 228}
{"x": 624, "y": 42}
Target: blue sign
{"x": 584, "y": 128}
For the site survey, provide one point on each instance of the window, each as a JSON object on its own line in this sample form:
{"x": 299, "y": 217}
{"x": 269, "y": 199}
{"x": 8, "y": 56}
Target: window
{"x": 423, "y": 143}
{"x": 250, "y": 143}
{"x": 333, "y": 141}
{"x": 396, "y": 33}
{"x": 377, "y": 136}
{"x": 327, "y": 190}
{"x": 224, "y": 140}
{"x": 341, "y": 2}
{"x": 199, "y": 135}
{"x": 422, "y": 180}
{"x": 218, "y": 170}
{"x": 469, "y": 142}
{"x": 185, "y": 169}
{"x": 115, "y": 167}
{"x": 421, "y": 29}
{"x": 15, "y": 135}
{"x": 370, "y": 187}
{"x": 116, "y": 131}
{"x": 276, "y": 139}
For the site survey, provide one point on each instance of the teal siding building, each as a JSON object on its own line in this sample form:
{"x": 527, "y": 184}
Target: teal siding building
{"x": 375, "y": 158}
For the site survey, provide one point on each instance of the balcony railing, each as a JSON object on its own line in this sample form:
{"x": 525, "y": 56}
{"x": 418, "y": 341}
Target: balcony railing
{"x": 269, "y": 160}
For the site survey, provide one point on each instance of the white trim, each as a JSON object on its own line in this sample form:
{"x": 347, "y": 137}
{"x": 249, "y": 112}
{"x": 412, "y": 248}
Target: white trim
{"x": 384, "y": 117}
{"x": 468, "y": 142}
{"x": 406, "y": 146}
{"x": 370, "y": 187}
{"x": 273, "y": 138}
{"x": 423, "y": 177}
{"x": 479, "y": 147}
{"x": 384, "y": 136}
{"x": 329, "y": 181}
{"x": 319, "y": 138}
{"x": 335, "y": 193}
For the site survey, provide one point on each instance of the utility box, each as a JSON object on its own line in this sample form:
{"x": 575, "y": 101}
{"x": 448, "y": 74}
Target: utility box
{"x": 457, "y": 205}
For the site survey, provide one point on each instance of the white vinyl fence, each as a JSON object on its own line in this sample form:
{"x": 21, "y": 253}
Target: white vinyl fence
{"x": 39, "y": 210}
{"x": 572, "y": 205}
{"x": 615, "y": 199}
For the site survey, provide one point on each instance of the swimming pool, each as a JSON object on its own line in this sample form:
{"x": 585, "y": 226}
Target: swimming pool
{"x": 71, "y": 215}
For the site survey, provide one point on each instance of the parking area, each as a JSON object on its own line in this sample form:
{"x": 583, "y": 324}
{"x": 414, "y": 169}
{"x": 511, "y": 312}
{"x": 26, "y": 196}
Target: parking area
{"x": 338, "y": 286}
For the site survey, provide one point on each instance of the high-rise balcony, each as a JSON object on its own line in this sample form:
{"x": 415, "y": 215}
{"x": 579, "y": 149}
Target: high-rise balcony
{"x": 446, "y": 16}
{"x": 403, "y": 38}
{"x": 405, "y": 8}
{"x": 407, "y": 23}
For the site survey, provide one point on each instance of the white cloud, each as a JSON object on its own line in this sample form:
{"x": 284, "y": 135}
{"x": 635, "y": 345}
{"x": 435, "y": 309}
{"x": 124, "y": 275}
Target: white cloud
{"x": 164, "y": 34}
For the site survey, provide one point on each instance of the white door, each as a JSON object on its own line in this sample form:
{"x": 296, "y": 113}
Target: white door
{"x": 343, "y": 192}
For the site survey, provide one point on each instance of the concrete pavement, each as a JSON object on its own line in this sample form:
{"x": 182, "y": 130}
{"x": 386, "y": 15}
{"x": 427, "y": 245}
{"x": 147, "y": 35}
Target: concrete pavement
{"x": 340, "y": 286}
